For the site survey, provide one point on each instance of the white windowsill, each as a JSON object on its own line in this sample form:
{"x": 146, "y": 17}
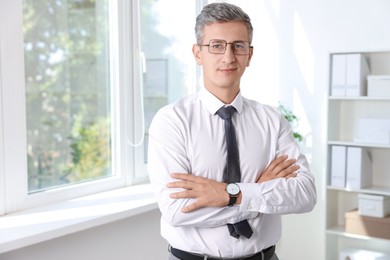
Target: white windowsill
{"x": 37, "y": 225}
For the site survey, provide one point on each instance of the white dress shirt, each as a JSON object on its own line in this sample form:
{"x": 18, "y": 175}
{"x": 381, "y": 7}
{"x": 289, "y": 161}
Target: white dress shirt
{"x": 189, "y": 137}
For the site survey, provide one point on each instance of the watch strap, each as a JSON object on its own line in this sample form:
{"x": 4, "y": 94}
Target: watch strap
{"x": 232, "y": 201}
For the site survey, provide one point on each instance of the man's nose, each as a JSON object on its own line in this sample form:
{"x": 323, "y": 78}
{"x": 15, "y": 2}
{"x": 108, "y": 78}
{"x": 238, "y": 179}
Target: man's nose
{"x": 229, "y": 53}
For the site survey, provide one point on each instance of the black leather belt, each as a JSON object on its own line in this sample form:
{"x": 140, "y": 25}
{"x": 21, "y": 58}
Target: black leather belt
{"x": 266, "y": 254}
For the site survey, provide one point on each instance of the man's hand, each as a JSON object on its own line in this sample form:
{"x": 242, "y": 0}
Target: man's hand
{"x": 279, "y": 168}
{"x": 207, "y": 192}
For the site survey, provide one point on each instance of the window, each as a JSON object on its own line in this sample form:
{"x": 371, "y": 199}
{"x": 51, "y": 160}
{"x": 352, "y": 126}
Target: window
{"x": 80, "y": 81}
{"x": 68, "y": 101}
{"x": 169, "y": 69}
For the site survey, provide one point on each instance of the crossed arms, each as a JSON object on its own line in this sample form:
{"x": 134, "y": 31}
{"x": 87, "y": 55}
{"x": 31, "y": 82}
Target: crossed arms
{"x": 210, "y": 193}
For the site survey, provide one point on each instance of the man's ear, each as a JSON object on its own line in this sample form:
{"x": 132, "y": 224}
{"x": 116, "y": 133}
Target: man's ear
{"x": 196, "y": 52}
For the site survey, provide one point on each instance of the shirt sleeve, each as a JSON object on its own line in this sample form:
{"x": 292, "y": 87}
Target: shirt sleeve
{"x": 282, "y": 196}
{"x": 167, "y": 154}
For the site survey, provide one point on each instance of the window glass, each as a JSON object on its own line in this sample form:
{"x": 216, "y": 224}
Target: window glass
{"x": 167, "y": 36}
{"x": 66, "y": 52}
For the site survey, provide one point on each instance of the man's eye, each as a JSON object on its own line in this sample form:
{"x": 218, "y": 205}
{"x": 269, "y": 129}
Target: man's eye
{"x": 239, "y": 45}
{"x": 217, "y": 46}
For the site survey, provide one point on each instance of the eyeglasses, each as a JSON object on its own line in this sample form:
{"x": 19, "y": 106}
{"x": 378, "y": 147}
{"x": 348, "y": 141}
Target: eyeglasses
{"x": 216, "y": 46}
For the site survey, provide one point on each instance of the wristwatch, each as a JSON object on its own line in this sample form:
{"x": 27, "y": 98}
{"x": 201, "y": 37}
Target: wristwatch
{"x": 233, "y": 190}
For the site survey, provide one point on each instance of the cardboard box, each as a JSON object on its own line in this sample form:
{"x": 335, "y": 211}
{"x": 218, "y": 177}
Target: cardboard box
{"x": 378, "y": 86}
{"x": 367, "y": 226}
{"x": 374, "y": 205}
{"x": 359, "y": 254}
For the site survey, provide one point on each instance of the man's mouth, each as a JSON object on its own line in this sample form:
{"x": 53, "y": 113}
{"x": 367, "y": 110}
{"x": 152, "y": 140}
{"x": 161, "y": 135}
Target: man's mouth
{"x": 227, "y": 69}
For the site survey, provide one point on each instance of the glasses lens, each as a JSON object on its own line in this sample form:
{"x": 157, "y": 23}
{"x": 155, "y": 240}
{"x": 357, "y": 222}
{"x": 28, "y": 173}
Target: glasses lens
{"x": 241, "y": 48}
{"x": 217, "y": 46}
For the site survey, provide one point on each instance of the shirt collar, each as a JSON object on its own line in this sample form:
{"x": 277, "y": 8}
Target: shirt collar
{"x": 213, "y": 104}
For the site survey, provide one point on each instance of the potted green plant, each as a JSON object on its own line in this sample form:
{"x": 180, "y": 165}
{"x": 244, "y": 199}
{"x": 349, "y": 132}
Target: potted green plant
{"x": 292, "y": 119}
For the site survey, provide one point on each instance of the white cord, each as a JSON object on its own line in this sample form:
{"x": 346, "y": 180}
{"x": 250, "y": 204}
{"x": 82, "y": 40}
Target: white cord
{"x": 141, "y": 100}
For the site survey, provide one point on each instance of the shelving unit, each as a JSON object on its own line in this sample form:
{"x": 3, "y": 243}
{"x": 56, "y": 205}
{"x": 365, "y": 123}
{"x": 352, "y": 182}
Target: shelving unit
{"x": 343, "y": 116}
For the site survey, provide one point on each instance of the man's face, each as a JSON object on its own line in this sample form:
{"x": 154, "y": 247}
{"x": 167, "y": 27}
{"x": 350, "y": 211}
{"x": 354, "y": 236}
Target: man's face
{"x": 223, "y": 71}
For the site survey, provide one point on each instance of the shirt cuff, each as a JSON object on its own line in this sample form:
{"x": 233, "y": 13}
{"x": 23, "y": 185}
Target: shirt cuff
{"x": 251, "y": 196}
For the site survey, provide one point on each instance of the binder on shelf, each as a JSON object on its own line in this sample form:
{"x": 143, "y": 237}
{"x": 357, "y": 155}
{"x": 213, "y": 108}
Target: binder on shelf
{"x": 338, "y": 166}
{"x": 349, "y": 75}
{"x": 359, "y": 174}
{"x": 339, "y": 64}
{"x": 356, "y": 75}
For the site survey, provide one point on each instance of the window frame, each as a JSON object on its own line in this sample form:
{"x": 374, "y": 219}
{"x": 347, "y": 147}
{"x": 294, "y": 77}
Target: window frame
{"x": 14, "y": 193}
{"x": 2, "y": 179}
{"x": 126, "y": 68}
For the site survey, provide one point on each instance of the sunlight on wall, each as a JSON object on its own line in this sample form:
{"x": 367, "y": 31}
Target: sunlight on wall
{"x": 304, "y": 53}
{"x": 276, "y": 7}
{"x": 304, "y": 125}
{"x": 262, "y": 79}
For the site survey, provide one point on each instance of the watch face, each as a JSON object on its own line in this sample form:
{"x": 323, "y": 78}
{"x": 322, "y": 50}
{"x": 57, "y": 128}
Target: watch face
{"x": 232, "y": 189}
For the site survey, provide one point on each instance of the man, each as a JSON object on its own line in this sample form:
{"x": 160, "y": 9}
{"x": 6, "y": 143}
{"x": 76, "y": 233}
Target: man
{"x": 190, "y": 155}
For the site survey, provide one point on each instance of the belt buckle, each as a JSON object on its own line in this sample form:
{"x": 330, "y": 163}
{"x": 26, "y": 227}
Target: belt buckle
{"x": 250, "y": 257}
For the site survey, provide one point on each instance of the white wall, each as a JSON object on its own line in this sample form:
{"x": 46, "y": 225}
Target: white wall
{"x": 137, "y": 237}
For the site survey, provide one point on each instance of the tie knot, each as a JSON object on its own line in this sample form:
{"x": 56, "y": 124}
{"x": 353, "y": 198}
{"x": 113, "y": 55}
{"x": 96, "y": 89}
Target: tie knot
{"x": 226, "y": 112}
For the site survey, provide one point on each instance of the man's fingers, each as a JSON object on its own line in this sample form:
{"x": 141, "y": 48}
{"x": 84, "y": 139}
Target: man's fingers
{"x": 288, "y": 170}
{"x": 291, "y": 175}
{"x": 186, "y": 176}
{"x": 279, "y": 164}
{"x": 186, "y": 181}
{"x": 286, "y": 163}
{"x": 281, "y": 167}
{"x": 203, "y": 192}
{"x": 197, "y": 204}
{"x": 181, "y": 184}
{"x": 276, "y": 162}
{"x": 183, "y": 194}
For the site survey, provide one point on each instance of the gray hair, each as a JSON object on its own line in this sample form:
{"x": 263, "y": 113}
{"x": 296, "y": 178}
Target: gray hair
{"x": 221, "y": 12}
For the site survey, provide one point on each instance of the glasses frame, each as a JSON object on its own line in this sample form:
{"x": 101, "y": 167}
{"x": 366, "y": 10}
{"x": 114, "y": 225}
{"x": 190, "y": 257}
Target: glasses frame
{"x": 226, "y": 44}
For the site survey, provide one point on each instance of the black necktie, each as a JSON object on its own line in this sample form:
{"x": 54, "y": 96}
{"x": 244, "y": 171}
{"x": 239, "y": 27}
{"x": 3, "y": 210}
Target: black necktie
{"x": 232, "y": 172}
